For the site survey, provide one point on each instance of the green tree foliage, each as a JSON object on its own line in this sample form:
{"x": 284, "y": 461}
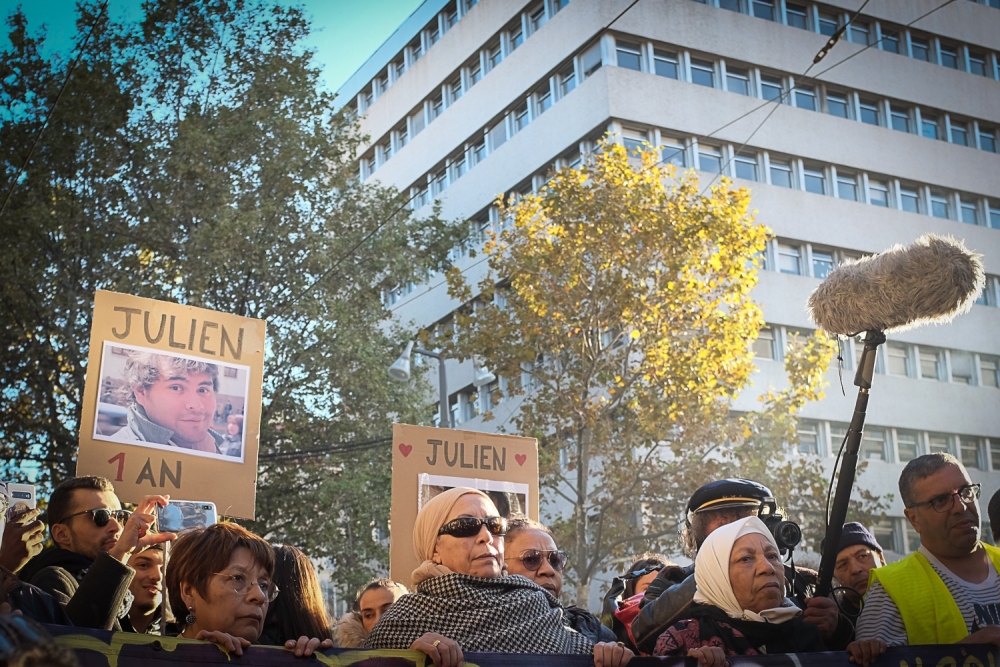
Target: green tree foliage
{"x": 194, "y": 157}
{"x": 621, "y": 296}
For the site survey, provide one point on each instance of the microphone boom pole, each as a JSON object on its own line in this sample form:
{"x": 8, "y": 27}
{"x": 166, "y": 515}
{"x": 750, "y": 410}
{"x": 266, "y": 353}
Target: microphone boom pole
{"x": 849, "y": 464}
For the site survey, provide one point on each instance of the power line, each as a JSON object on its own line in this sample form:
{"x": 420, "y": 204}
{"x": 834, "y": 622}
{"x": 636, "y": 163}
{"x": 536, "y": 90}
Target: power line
{"x": 48, "y": 116}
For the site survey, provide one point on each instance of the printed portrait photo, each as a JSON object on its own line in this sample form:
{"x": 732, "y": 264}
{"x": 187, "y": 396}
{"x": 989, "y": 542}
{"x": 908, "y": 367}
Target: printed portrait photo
{"x": 510, "y": 497}
{"x": 170, "y": 401}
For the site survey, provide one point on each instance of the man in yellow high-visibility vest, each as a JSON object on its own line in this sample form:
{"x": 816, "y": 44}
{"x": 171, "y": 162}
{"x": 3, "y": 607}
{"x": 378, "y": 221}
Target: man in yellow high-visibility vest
{"x": 949, "y": 590}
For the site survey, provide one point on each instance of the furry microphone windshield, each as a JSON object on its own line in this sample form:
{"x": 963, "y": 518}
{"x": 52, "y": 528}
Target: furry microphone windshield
{"x": 930, "y": 281}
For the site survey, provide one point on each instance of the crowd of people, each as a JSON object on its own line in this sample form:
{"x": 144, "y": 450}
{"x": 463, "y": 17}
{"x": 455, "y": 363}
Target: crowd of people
{"x": 491, "y": 583}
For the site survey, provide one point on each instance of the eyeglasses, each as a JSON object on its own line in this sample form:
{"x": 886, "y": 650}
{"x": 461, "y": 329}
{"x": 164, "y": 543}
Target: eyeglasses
{"x": 467, "y": 526}
{"x": 531, "y": 559}
{"x": 102, "y": 516}
{"x": 968, "y": 494}
{"x": 240, "y": 585}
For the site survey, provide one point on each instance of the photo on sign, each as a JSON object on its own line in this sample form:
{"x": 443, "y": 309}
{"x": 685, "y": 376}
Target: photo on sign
{"x": 510, "y": 498}
{"x": 172, "y": 402}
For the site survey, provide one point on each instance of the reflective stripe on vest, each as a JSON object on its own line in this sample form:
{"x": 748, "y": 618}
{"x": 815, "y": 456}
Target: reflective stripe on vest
{"x": 929, "y": 612}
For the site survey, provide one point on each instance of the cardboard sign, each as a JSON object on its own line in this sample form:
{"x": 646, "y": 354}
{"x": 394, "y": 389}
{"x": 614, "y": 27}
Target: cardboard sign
{"x": 427, "y": 461}
{"x": 172, "y": 402}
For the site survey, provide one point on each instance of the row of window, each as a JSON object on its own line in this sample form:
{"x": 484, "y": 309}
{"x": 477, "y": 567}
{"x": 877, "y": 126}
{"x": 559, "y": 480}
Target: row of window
{"x": 417, "y": 47}
{"x": 679, "y": 64}
{"x": 902, "y": 359}
{"x": 459, "y": 82}
{"x": 868, "y": 31}
{"x": 896, "y": 534}
{"x": 823, "y": 179}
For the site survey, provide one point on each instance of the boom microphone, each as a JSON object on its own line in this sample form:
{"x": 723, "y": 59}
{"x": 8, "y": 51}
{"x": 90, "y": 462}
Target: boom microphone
{"x": 931, "y": 281}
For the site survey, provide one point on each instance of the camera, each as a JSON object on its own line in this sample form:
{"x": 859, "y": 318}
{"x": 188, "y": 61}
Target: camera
{"x": 786, "y": 533}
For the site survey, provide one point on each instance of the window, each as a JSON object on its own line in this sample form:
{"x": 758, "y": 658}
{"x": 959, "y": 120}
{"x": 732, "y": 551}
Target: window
{"x": 475, "y": 73}
{"x": 521, "y": 119}
{"x": 938, "y": 444}
{"x": 454, "y": 90}
{"x": 781, "y": 173}
{"x": 847, "y": 186}
{"x": 763, "y": 347}
{"x": 969, "y": 211}
{"x": 771, "y": 88}
{"x": 450, "y": 18}
{"x": 537, "y": 18}
{"x": 959, "y": 133}
{"x": 458, "y": 166}
{"x": 738, "y": 81}
{"x": 703, "y": 72}
{"x": 949, "y": 56}
{"x": 731, "y": 5}
{"x": 838, "y": 434}
{"x": 567, "y": 80}
{"x": 673, "y": 153}
{"x": 970, "y": 452}
{"x": 860, "y": 32}
{"x": 872, "y": 445}
{"x": 805, "y": 97}
{"x": 930, "y": 127}
{"x": 939, "y": 206}
{"x": 878, "y": 193}
{"x": 417, "y": 122}
{"x": 896, "y": 360}
{"x": 789, "y": 257}
{"x": 746, "y": 166}
{"x": 516, "y": 38}
{"x": 890, "y": 41}
{"x": 899, "y": 119}
{"x": 909, "y": 199}
{"x": 977, "y": 64}
{"x": 987, "y": 139}
{"x": 836, "y": 104}
{"x": 628, "y": 55}
{"x": 543, "y": 99}
{"x": 709, "y": 159}
{"x": 885, "y": 533}
{"x": 477, "y": 152}
{"x": 420, "y": 199}
{"x": 994, "y": 214}
{"x": 633, "y": 140}
{"x": 665, "y": 63}
{"x": 437, "y": 106}
{"x": 869, "y": 112}
{"x": 988, "y": 373}
{"x": 764, "y": 9}
{"x": 795, "y": 15}
{"x": 906, "y": 445}
{"x": 815, "y": 181}
{"x": 497, "y": 135}
{"x": 808, "y": 433}
{"x": 822, "y": 263}
{"x": 930, "y": 364}
{"x": 920, "y": 48}
{"x": 433, "y": 35}
{"x": 591, "y": 60}
{"x": 961, "y": 367}
{"x": 828, "y": 24}
{"x": 493, "y": 56}
{"x": 439, "y": 182}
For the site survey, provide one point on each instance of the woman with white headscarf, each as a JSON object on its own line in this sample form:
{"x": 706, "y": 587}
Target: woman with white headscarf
{"x": 740, "y": 606}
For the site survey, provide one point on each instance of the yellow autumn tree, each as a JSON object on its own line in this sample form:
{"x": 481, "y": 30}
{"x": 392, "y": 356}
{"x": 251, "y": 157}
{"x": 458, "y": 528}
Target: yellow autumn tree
{"x": 617, "y": 308}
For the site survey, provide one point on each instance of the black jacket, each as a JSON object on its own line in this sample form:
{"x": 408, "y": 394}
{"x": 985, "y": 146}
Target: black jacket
{"x": 32, "y": 601}
{"x": 588, "y": 625}
{"x": 94, "y": 593}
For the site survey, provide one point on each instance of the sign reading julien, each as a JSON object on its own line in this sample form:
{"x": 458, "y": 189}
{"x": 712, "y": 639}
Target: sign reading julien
{"x": 427, "y": 461}
{"x": 172, "y": 402}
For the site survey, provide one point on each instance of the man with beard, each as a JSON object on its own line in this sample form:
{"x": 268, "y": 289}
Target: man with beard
{"x": 147, "y": 592}
{"x": 949, "y": 590}
{"x": 88, "y": 571}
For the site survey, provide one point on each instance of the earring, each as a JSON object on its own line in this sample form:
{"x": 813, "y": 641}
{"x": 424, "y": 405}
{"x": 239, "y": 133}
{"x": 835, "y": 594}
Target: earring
{"x": 190, "y": 618}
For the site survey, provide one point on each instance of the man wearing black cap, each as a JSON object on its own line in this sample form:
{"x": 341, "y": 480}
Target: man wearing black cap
{"x": 712, "y": 506}
{"x": 859, "y": 554}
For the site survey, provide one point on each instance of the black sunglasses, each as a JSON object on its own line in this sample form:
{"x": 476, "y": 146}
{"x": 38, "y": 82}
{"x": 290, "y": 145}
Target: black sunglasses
{"x": 467, "y": 526}
{"x": 531, "y": 559}
{"x": 101, "y": 517}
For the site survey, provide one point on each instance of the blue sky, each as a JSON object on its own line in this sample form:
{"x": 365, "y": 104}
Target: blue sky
{"x": 345, "y": 32}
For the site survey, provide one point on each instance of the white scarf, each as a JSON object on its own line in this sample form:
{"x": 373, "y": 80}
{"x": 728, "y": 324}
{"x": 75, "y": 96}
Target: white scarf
{"x": 711, "y": 573}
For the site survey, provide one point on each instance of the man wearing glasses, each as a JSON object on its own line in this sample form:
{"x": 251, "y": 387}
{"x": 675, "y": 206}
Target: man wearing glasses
{"x": 948, "y": 591}
{"x": 87, "y": 571}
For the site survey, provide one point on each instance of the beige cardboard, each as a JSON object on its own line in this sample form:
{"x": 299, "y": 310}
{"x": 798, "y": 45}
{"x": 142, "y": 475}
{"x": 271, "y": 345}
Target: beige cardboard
{"x": 123, "y": 324}
{"x": 483, "y": 459}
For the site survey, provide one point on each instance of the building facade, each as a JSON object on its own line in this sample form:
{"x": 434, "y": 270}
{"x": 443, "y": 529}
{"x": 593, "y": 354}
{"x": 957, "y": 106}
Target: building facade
{"x": 893, "y": 134}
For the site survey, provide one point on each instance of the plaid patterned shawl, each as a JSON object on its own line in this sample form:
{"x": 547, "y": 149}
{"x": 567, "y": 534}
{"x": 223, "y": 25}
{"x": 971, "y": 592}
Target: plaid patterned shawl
{"x": 502, "y": 615}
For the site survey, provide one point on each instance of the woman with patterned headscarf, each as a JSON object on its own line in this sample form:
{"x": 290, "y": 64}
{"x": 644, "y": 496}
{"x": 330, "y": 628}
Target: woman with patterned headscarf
{"x": 463, "y": 601}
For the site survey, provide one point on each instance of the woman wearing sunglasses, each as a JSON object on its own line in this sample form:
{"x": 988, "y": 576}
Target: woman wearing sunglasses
{"x": 220, "y": 581}
{"x": 531, "y": 553}
{"x": 464, "y": 602}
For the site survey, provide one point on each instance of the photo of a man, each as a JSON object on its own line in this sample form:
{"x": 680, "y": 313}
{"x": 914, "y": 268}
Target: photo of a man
{"x": 157, "y": 399}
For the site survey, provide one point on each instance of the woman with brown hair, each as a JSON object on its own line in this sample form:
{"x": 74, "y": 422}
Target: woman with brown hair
{"x": 300, "y": 610}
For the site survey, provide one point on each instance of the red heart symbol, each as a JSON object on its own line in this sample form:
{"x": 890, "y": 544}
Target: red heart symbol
{"x": 520, "y": 458}
{"x": 405, "y": 449}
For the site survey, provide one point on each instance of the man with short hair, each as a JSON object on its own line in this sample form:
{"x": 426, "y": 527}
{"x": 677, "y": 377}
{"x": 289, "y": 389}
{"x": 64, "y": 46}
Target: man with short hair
{"x": 712, "y": 506}
{"x": 171, "y": 401}
{"x": 147, "y": 592}
{"x": 948, "y": 591}
{"x": 87, "y": 571}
